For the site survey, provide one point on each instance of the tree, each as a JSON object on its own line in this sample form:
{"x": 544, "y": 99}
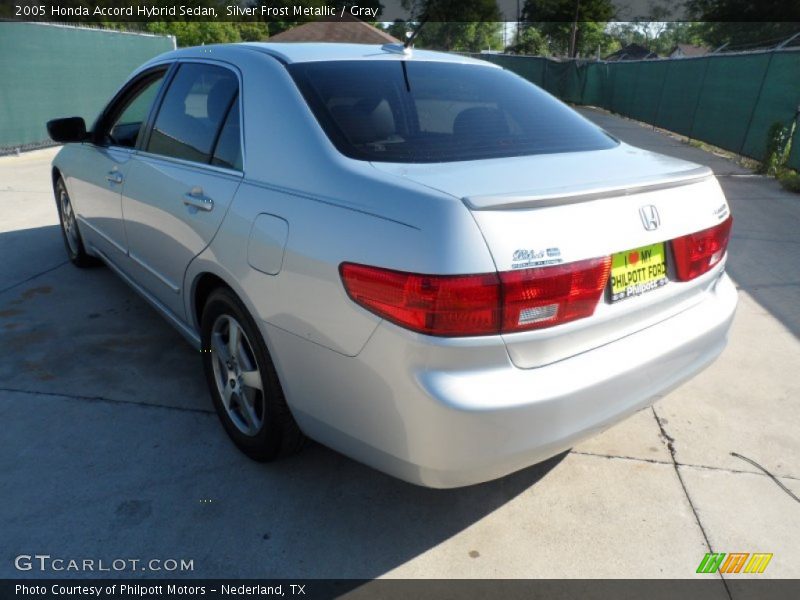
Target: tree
{"x": 196, "y": 33}
{"x": 651, "y": 30}
{"x": 678, "y": 33}
{"x": 252, "y": 32}
{"x": 529, "y": 40}
{"x": 745, "y": 23}
{"x": 398, "y": 29}
{"x": 451, "y": 11}
{"x": 460, "y": 25}
{"x": 461, "y": 37}
{"x": 572, "y": 26}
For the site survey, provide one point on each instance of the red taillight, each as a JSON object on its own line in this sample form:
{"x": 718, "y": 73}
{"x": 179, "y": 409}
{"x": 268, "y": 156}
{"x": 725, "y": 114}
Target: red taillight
{"x": 433, "y": 304}
{"x": 536, "y": 298}
{"x": 698, "y": 252}
{"x": 484, "y": 304}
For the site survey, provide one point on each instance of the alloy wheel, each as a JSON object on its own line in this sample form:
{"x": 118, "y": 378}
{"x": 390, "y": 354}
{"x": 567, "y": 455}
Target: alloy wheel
{"x": 68, "y": 222}
{"x": 237, "y": 375}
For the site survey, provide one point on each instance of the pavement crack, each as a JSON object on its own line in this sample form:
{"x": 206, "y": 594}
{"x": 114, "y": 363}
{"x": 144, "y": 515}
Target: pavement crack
{"x": 32, "y": 277}
{"x": 729, "y": 470}
{"x": 656, "y": 461}
{"x": 770, "y": 475}
{"x": 108, "y": 401}
{"x": 671, "y": 447}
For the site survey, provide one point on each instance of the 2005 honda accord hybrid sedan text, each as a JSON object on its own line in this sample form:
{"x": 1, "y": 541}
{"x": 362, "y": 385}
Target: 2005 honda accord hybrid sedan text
{"x": 420, "y": 260}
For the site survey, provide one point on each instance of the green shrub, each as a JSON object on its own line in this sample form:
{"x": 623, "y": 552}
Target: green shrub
{"x": 779, "y": 144}
{"x": 790, "y": 179}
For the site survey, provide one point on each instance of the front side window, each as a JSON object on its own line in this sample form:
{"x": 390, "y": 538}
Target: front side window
{"x": 417, "y": 111}
{"x": 190, "y": 121}
{"x": 133, "y": 112}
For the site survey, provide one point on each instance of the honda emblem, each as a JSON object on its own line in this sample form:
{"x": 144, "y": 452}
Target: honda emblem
{"x": 650, "y": 218}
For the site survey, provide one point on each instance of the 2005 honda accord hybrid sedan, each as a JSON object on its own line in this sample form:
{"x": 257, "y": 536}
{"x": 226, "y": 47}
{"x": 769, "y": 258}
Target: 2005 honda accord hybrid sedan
{"x": 420, "y": 260}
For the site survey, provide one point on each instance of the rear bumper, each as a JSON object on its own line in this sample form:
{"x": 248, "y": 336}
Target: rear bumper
{"x": 449, "y": 413}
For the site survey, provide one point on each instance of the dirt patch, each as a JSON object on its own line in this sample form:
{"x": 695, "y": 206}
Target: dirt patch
{"x": 21, "y": 341}
{"x": 133, "y": 512}
{"x": 38, "y": 370}
{"x": 25, "y": 296}
{"x": 127, "y": 343}
{"x": 28, "y": 294}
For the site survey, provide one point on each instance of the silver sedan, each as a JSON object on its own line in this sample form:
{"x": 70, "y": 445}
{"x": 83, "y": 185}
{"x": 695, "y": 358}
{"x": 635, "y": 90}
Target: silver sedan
{"x": 420, "y": 260}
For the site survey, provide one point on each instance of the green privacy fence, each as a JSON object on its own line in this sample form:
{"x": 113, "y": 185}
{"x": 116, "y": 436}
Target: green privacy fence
{"x": 49, "y": 71}
{"x": 730, "y": 101}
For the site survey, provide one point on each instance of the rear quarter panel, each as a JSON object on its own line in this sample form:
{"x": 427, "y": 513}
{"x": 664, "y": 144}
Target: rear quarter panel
{"x": 336, "y": 209}
{"x": 306, "y": 297}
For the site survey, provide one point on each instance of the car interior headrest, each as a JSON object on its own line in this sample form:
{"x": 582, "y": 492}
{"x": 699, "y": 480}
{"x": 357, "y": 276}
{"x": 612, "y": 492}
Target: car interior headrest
{"x": 219, "y": 98}
{"x": 480, "y": 121}
{"x": 366, "y": 121}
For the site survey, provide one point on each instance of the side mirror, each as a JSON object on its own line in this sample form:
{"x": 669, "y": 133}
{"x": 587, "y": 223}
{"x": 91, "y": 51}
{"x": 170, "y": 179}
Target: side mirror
{"x": 70, "y": 129}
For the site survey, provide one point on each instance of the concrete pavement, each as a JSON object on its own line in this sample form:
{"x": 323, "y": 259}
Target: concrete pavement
{"x": 109, "y": 447}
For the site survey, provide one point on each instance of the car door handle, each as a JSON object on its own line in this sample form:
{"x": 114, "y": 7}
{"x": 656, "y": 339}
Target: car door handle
{"x": 198, "y": 200}
{"x": 114, "y": 177}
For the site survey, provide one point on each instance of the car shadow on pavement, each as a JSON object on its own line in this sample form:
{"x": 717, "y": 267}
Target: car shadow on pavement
{"x": 345, "y": 520}
{"x": 113, "y": 450}
{"x": 24, "y": 253}
{"x": 764, "y": 253}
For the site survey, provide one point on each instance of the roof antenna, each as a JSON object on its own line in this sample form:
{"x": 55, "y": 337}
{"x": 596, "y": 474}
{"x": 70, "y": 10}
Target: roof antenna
{"x": 410, "y": 38}
{"x": 406, "y": 47}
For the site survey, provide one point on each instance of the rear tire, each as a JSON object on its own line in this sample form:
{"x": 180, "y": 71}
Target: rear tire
{"x": 73, "y": 242}
{"x": 243, "y": 383}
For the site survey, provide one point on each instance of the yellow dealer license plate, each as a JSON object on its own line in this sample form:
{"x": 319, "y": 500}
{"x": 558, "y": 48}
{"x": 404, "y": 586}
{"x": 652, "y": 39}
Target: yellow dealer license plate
{"x": 635, "y": 272}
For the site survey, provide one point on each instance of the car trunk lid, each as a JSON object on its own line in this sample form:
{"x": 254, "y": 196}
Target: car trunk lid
{"x": 558, "y": 209}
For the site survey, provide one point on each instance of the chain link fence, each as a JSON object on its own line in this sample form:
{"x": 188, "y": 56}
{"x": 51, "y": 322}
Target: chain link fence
{"x": 728, "y": 100}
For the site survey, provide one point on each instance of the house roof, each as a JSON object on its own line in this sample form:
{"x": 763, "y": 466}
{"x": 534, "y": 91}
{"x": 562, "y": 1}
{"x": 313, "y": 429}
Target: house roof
{"x": 632, "y": 52}
{"x": 346, "y": 30}
{"x": 689, "y": 50}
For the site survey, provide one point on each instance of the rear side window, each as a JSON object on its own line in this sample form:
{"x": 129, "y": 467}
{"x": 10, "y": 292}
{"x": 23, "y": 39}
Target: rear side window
{"x": 416, "y": 111}
{"x": 190, "y": 121}
{"x": 228, "y": 151}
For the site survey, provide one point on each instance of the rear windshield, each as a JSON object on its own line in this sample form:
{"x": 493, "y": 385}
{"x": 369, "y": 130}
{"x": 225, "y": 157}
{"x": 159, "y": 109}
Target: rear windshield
{"x": 416, "y": 112}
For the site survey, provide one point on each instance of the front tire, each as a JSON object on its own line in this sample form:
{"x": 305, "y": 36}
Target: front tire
{"x": 73, "y": 242}
{"x": 243, "y": 383}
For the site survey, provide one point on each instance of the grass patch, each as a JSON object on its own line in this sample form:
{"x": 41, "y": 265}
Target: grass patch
{"x": 742, "y": 161}
{"x": 789, "y": 179}
{"x": 779, "y": 146}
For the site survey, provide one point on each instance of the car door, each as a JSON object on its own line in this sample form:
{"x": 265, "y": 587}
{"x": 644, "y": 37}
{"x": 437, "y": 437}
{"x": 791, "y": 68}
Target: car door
{"x": 99, "y": 172}
{"x": 180, "y": 184}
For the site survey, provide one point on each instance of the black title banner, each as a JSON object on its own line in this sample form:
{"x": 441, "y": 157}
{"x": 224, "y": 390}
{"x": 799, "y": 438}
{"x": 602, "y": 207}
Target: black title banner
{"x": 390, "y": 589}
{"x": 105, "y": 11}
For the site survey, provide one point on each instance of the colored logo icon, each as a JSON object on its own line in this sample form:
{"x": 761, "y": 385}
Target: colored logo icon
{"x": 734, "y": 562}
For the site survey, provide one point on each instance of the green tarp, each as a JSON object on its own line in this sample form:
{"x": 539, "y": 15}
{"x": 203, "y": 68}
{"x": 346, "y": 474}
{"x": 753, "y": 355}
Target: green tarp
{"x": 50, "y": 71}
{"x": 730, "y": 101}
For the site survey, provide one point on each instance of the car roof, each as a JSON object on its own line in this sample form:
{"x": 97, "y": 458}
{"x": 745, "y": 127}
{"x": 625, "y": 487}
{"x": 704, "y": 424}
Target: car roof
{"x": 300, "y": 52}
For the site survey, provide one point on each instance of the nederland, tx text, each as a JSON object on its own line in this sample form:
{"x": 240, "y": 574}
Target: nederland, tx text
{"x": 147, "y": 591}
